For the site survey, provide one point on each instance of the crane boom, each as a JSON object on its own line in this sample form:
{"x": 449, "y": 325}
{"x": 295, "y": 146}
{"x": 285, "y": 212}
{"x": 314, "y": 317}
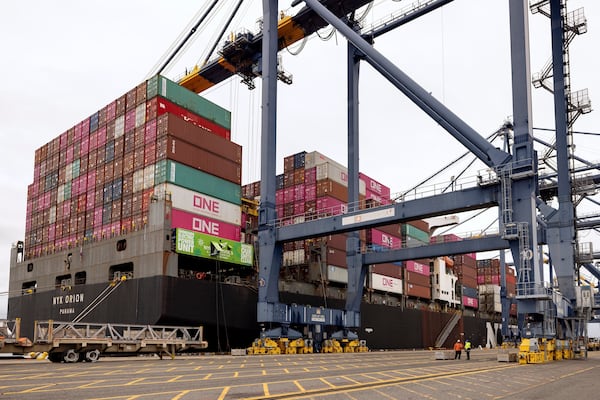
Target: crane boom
{"x": 241, "y": 55}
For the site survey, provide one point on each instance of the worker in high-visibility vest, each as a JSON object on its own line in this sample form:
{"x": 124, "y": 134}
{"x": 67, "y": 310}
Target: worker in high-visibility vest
{"x": 468, "y": 349}
{"x": 457, "y": 349}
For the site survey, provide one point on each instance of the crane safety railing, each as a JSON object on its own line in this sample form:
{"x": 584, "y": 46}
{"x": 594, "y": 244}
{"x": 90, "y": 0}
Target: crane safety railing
{"x": 345, "y": 208}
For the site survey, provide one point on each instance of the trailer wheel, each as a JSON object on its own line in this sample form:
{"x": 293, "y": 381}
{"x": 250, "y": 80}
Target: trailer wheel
{"x": 70, "y": 356}
{"x": 55, "y": 357}
{"x": 92, "y": 355}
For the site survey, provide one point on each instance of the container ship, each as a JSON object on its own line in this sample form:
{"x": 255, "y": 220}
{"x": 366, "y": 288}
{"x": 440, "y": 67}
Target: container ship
{"x": 138, "y": 215}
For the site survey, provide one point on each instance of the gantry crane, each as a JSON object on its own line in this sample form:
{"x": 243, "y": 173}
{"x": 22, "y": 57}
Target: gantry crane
{"x": 513, "y": 184}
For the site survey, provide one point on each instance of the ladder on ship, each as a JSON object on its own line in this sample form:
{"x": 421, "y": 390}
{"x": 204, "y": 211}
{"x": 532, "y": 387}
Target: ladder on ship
{"x": 447, "y": 329}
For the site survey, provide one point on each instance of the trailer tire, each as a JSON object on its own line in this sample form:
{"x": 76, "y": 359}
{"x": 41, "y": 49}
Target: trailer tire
{"x": 55, "y": 357}
{"x": 92, "y": 355}
{"x": 70, "y": 356}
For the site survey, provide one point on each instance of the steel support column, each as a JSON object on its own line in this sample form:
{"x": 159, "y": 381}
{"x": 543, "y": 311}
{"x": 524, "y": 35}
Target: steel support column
{"x": 523, "y": 190}
{"x": 561, "y": 227}
{"x": 356, "y": 274}
{"x": 270, "y": 250}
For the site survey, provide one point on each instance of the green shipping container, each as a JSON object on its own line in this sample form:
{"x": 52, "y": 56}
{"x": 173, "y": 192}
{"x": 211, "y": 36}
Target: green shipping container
{"x": 161, "y": 86}
{"x": 193, "y": 179}
{"x": 207, "y": 246}
{"x": 411, "y": 231}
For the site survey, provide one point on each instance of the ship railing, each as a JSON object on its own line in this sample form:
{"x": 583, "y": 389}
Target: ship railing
{"x": 51, "y": 331}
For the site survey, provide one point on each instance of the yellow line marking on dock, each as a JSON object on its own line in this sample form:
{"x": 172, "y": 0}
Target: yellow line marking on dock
{"x": 180, "y": 395}
{"x": 236, "y": 374}
{"x": 327, "y": 383}
{"x": 287, "y": 371}
{"x": 175, "y": 378}
{"x": 207, "y": 376}
{"x": 35, "y": 389}
{"x": 264, "y": 372}
{"x": 197, "y": 368}
{"x": 171, "y": 369}
{"x": 299, "y": 386}
{"x": 305, "y": 369}
{"x": 266, "y": 389}
{"x": 221, "y": 366}
{"x": 133, "y": 382}
{"x": 351, "y": 380}
{"x": 224, "y": 392}
{"x": 90, "y": 384}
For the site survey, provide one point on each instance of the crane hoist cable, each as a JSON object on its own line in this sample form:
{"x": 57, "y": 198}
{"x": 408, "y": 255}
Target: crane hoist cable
{"x": 186, "y": 38}
{"x": 225, "y": 27}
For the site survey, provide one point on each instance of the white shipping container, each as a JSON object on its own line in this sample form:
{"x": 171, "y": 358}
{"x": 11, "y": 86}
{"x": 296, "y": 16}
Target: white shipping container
{"x": 119, "y": 126}
{"x": 202, "y": 204}
{"x": 315, "y": 158}
{"x": 386, "y": 283}
{"x": 69, "y": 172}
{"x": 333, "y": 172}
{"x": 60, "y": 194}
{"x": 149, "y": 176}
{"x": 138, "y": 180}
{"x": 140, "y": 115}
{"x": 288, "y": 258}
{"x": 337, "y": 274}
{"x": 299, "y": 257}
{"x": 52, "y": 215}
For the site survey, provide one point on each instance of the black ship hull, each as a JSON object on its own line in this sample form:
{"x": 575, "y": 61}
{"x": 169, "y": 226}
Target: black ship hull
{"x": 226, "y": 311}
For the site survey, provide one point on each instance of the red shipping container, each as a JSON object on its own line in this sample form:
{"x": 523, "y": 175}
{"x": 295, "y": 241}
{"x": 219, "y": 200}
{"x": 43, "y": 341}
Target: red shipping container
{"x": 129, "y": 120}
{"x": 413, "y": 290}
{"x": 130, "y": 99}
{"x": 188, "y": 132}
{"x": 416, "y": 278}
{"x": 164, "y": 106}
{"x": 388, "y": 269}
{"x": 336, "y": 257}
{"x": 201, "y": 159}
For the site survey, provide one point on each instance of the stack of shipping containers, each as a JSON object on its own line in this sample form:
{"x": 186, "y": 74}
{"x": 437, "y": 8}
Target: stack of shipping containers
{"x": 489, "y": 280}
{"x": 313, "y": 185}
{"x": 98, "y": 178}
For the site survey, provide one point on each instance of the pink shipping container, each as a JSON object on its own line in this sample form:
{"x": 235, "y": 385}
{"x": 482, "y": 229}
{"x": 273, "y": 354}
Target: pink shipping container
{"x": 383, "y": 239}
{"x": 299, "y": 193}
{"x": 198, "y": 223}
{"x": 331, "y": 205}
{"x": 310, "y": 192}
{"x": 470, "y": 302}
{"x": 417, "y": 267}
{"x": 310, "y": 175}
{"x": 199, "y": 203}
{"x": 376, "y": 188}
{"x": 278, "y": 196}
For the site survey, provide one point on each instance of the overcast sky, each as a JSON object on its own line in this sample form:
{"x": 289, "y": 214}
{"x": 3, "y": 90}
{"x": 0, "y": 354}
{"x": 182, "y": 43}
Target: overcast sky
{"x": 64, "y": 60}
